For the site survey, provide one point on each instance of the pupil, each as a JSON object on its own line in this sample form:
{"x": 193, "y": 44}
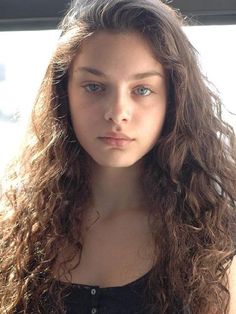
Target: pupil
{"x": 142, "y": 89}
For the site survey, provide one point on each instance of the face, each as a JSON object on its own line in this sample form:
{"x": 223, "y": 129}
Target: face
{"x": 117, "y": 98}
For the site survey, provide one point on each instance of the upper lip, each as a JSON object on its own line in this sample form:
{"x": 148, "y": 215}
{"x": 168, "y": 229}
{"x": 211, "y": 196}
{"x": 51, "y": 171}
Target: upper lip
{"x": 116, "y": 136}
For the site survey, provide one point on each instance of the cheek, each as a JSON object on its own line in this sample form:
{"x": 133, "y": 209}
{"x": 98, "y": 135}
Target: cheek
{"x": 83, "y": 113}
{"x": 154, "y": 121}
{"x": 84, "y": 121}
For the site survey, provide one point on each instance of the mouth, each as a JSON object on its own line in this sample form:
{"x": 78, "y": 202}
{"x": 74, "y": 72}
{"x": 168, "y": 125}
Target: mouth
{"x": 116, "y": 142}
{"x": 116, "y": 135}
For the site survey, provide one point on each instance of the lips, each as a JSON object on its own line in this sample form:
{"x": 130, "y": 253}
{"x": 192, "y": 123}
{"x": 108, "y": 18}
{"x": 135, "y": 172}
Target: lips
{"x": 116, "y": 136}
{"x": 116, "y": 142}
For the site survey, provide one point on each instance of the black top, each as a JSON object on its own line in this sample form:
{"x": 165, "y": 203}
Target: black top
{"x": 126, "y": 299}
{"x": 131, "y": 298}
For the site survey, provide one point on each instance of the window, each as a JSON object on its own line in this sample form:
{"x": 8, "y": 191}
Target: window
{"x": 217, "y": 48}
{"x": 23, "y": 60}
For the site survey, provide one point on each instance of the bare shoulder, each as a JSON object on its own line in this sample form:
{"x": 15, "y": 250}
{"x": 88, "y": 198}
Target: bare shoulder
{"x": 232, "y": 286}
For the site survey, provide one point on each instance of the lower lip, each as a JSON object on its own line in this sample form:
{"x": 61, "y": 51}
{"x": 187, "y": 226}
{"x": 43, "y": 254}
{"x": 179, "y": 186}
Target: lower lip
{"x": 117, "y": 142}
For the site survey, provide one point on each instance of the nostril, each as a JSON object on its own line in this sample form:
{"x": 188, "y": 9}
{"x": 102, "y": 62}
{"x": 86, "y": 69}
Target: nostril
{"x": 116, "y": 117}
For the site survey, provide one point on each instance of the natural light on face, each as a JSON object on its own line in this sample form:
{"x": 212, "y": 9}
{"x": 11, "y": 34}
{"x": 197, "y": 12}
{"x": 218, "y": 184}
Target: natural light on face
{"x": 116, "y": 85}
{"x": 24, "y": 57}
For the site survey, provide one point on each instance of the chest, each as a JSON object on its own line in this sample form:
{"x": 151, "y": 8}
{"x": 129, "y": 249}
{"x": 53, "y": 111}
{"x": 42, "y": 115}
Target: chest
{"x": 114, "y": 253}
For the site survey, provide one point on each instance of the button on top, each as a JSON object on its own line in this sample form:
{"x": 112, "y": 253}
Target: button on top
{"x": 93, "y": 291}
{"x": 94, "y": 310}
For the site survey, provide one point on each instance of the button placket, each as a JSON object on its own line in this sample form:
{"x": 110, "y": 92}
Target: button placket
{"x": 94, "y": 300}
{"x": 93, "y": 291}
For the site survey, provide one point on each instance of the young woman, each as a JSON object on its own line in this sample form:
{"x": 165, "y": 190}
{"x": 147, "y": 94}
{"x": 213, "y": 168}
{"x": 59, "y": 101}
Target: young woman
{"x": 123, "y": 199}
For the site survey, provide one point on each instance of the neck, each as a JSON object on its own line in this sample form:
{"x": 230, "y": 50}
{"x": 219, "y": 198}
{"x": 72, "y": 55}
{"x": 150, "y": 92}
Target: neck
{"x": 117, "y": 190}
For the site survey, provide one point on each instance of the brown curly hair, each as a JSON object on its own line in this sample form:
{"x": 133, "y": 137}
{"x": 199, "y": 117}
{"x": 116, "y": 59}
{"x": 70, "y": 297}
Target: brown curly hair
{"x": 189, "y": 176}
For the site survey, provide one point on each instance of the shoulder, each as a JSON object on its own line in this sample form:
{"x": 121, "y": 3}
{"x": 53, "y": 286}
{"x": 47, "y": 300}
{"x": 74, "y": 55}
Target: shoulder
{"x": 232, "y": 286}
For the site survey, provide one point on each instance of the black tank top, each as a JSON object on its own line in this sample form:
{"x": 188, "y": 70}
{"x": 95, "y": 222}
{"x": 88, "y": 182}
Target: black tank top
{"x": 131, "y": 298}
{"x": 126, "y": 299}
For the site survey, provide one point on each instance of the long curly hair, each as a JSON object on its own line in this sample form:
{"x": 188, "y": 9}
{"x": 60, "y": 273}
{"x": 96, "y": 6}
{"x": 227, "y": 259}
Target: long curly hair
{"x": 189, "y": 176}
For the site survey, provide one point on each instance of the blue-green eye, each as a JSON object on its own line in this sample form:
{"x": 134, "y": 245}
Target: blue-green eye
{"x": 143, "y": 91}
{"x": 93, "y": 88}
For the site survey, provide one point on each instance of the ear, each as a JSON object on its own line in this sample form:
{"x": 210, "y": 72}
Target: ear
{"x": 232, "y": 286}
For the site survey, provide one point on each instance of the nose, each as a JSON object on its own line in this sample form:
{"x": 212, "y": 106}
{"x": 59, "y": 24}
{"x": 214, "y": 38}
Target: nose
{"x": 118, "y": 109}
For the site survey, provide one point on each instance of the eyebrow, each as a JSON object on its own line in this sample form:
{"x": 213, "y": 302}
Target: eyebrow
{"x": 138, "y": 76}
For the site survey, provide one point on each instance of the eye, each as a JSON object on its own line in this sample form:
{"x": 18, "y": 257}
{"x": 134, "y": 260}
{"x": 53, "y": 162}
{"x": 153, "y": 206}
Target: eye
{"x": 143, "y": 91}
{"x": 93, "y": 88}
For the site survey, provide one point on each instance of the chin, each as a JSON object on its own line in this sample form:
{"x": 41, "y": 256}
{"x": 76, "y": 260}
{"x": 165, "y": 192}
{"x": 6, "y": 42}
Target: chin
{"x": 115, "y": 163}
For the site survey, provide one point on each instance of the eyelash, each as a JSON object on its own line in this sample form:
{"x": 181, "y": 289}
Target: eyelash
{"x": 103, "y": 89}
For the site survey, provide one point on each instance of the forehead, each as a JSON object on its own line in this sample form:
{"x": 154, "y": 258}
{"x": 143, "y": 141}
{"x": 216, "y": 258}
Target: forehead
{"x": 117, "y": 52}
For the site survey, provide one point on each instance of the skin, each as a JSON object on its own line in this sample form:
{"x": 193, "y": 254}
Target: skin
{"x": 118, "y": 100}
